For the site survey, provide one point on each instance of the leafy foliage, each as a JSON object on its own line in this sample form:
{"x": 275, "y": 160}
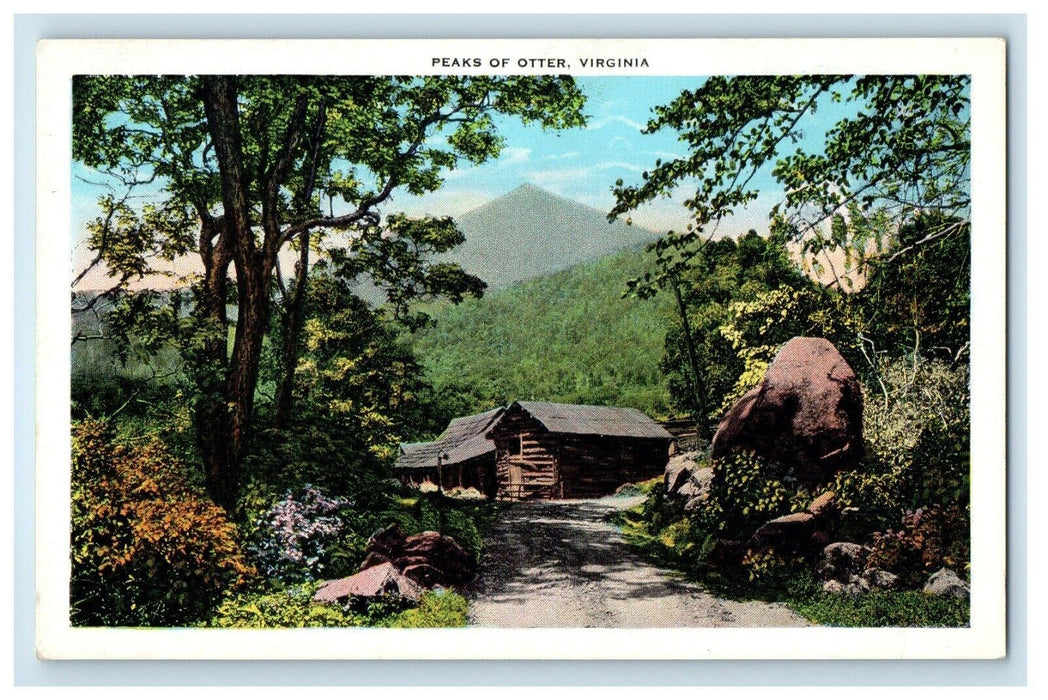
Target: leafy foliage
{"x": 567, "y": 337}
{"x": 294, "y": 608}
{"x": 901, "y": 147}
{"x": 726, "y": 274}
{"x": 747, "y": 491}
{"x": 290, "y": 607}
{"x": 918, "y": 445}
{"x": 927, "y": 540}
{"x": 146, "y": 549}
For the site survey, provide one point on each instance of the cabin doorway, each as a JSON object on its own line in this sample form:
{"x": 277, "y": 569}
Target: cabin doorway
{"x": 515, "y": 487}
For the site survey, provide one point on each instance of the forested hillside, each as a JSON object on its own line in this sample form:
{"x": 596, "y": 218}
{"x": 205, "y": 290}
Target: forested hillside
{"x": 568, "y": 337}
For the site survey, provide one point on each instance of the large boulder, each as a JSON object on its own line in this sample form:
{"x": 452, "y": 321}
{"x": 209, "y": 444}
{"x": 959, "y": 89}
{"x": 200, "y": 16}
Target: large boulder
{"x": 806, "y": 413}
{"x": 374, "y": 582}
{"x": 429, "y": 558}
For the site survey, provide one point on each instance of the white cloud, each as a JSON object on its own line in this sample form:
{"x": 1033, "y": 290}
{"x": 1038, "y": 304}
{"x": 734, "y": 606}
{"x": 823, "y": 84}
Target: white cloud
{"x": 561, "y": 156}
{"x": 615, "y": 119}
{"x": 514, "y": 154}
{"x": 620, "y": 165}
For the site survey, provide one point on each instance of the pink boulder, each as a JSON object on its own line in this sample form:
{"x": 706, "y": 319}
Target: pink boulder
{"x": 806, "y": 414}
{"x": 375, "y": 582}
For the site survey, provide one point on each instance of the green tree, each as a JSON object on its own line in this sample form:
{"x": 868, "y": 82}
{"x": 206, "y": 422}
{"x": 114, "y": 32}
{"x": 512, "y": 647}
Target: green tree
{"x": 902, "y": 149}
{"x": 242, "y": 166}
{"x": 725, "y": 273}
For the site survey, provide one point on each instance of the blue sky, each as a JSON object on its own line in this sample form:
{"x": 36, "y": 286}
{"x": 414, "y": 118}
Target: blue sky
{"x": 580, "y": 164}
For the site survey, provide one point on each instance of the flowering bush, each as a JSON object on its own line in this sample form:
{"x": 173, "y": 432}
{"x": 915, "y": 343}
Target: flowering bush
{"x": 146, "y": 548}
{"x": 292, "y": 539}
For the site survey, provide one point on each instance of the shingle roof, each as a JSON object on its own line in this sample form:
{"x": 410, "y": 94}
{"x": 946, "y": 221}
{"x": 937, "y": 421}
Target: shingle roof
{"x": 463, "y": 439}
{"x": 466, "y": 437}
{"x": 417, "y": 455}
{"x": 593, "y": 420}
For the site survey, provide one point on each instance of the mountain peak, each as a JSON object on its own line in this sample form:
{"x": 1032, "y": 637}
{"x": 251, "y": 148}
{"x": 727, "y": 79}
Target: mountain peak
{"x": 529, "y": 232}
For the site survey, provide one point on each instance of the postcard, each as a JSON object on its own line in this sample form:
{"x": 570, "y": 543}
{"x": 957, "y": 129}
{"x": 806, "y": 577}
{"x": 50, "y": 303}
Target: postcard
{"x": 521, "y": 349}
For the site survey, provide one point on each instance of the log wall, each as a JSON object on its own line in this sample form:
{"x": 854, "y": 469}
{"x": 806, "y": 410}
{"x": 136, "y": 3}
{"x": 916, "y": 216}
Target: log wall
{"x": 594, "y": 466}
{"x": 525, "y": 461}
{"x": 534, "y": 463}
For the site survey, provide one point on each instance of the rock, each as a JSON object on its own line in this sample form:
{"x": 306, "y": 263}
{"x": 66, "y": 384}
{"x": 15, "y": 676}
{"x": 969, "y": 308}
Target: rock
{"x": 429, "y": 558}
{"x": 698, "y": 484}
{"x": 855, "y": 586}
{"x": 387, "y": 542}
{"x": 842, "y": 560}
{"x": 879, "y": 578}
{"x": 678, "y": 471}
{"x": 946, "y": 583}
{"x": 807, "y": 412}
{"x": 792, "y": 532}
{"x": 453, "y": 565}
{"x": 696, "y": 503}
{"x": 373, "y": 582}
{"x": 823, "y": 505}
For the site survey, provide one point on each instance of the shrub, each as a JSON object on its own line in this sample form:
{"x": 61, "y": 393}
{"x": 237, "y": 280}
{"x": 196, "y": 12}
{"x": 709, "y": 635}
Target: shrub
{"x": 291, "y": 540}
{"x": 747, "y": 491}
{"x": 146, "y": 548}
{"x": 916, "y": 423}
{"x": 292, "y": 607}
{"x": 439, "y": 608}
{"x": 917, "y": 428}
{"x": 928, "y": 540}
{"x": 464, "y": 521}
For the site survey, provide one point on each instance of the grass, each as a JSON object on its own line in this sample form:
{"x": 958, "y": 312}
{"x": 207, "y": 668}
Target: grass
{"x": 679, "y": 547}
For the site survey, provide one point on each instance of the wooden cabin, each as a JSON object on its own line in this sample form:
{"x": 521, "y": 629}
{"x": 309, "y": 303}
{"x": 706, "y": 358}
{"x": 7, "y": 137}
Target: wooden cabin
{"x": 461, "y": 457}
{"x": 550, "y": 450}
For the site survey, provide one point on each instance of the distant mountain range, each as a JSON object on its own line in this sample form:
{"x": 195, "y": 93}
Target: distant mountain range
{"x": 529, "y": 232}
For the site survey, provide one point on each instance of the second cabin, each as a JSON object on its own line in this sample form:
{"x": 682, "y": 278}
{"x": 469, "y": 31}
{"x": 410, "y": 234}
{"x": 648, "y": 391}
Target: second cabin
{"x": 550, "y": 450}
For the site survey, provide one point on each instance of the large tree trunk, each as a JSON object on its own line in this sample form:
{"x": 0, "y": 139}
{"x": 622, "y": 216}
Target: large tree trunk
{"x": 224, "y": 438}
{"x": 294, "y": 318}
{"x": 211, "y": 415}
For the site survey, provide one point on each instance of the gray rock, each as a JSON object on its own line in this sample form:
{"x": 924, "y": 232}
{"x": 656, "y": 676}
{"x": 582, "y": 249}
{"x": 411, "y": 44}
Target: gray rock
{"x": 842, "y": 560}
{"x": 678, "y": 471}
{"x": 697, "y": 484}
{"x": 946, "y": 583}
{"x": 697, "y": 503}
{"x": 854, "y": 587}
{"x": 879, "y": 578}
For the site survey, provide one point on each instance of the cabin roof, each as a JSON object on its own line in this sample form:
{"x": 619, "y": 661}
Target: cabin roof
{"x": 462, "y": 440}
{"x": 593, "y": 420}
{"x": 417, "y": 455}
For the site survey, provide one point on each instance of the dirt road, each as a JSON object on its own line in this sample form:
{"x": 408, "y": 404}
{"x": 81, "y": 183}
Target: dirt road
{"x": 560, "y": 564}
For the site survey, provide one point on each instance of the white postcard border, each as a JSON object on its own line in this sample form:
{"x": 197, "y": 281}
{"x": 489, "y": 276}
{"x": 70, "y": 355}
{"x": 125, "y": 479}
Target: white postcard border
{"x": 982, "y": 58}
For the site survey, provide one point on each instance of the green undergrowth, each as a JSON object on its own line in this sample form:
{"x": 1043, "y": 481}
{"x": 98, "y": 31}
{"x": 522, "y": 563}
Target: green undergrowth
{"x": 682, "y": 547}
{"x": 294, "y": 607}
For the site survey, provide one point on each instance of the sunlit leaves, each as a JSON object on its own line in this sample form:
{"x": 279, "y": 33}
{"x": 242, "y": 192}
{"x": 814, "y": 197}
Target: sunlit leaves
{"x": 902, "y": 148}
